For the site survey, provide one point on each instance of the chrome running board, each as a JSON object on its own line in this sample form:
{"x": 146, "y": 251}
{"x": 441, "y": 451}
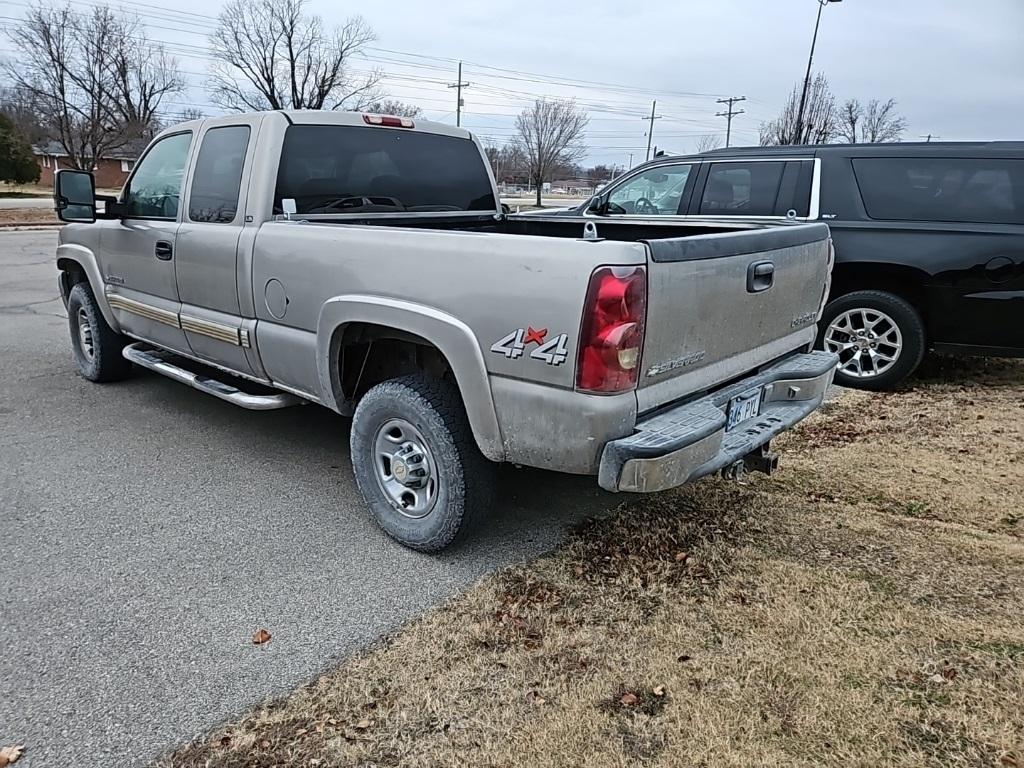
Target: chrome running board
{"x": 154, "y": 360}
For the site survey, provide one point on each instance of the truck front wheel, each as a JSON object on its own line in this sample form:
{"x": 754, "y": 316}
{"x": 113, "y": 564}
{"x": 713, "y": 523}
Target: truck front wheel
{"x": 416, "y": 462}
{"x": 96, "y": 345}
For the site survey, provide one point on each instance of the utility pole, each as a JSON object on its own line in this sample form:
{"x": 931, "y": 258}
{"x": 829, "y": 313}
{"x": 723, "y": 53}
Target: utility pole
{"x": 630, "y": 161}
{"x": 928, "y": 138}
{"x": 650, "y": 131}
{"x": 807, "y": 77}
{"x": 458, "y": 96}
{"x": 729, "y": 115}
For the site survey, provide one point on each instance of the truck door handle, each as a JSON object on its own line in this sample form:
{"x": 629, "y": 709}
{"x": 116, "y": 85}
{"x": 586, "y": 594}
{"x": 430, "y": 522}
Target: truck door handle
{"x": 163, "y": 250}
{"x": 760, "y": 276}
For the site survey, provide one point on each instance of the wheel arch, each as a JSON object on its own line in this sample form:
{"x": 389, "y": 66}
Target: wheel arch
{"x": 909, "y": 283}
{"x": 77, "y": 264}
{"x": 417, "y": 324}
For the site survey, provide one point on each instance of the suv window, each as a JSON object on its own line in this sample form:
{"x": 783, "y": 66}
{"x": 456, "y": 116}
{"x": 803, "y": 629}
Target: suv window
{"x": 655, "y": 192}
{"x": 218, "y": 175}
{"x": 742, "y": 189}
{"x": 155, "y": 188}
{"x": 351, "y": 169}
{"x": 940, "y": 189}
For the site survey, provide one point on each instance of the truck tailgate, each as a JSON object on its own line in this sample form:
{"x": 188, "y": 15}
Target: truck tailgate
{"x": 719, "y": 306}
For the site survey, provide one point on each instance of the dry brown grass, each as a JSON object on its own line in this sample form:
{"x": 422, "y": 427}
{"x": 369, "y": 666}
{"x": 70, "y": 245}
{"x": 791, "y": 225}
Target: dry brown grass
{"x": 865, "y": 607}
{"x": 18, "y": 216}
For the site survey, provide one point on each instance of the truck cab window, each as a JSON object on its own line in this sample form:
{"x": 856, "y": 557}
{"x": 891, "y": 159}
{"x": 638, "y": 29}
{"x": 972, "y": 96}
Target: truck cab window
{"x": 741, "y": 189}
{"x": 336, "y": 169}
{"x": 655, "y": 192}
{"x": 218, "y": 175}
{"x": 155, "y": 188}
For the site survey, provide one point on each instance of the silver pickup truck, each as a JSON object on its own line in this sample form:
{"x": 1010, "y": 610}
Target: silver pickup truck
{"x": 364, "y": 263}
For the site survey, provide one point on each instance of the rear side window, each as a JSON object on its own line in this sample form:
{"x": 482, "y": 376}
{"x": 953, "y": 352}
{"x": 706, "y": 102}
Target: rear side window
{"x": 218, "y": 175}
{"x": 742, "y": 189}
{"x": 351, "y": 169}
{"x": 940, "y": 189}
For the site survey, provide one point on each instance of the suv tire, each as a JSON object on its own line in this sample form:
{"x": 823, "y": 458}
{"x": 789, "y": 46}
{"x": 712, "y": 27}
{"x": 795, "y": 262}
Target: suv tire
{"x": 417, "y": 464}
{"x": 879, "y": 336}
{"x": 97, "y": 347}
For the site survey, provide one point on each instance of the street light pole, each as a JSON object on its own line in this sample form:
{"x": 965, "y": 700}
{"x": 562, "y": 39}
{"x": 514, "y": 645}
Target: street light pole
{"x": 807, "y": 76}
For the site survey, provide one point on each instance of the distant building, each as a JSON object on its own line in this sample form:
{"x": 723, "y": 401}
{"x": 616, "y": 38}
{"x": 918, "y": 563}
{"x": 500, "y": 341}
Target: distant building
{"x": 111, "y": 172}
{"x": 575, "y": 187}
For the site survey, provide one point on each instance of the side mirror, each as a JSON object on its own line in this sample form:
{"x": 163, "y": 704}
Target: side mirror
{"x": 506, "y": 208}
{"x": 595, "y": 205}
{"x": 74, "y": 196}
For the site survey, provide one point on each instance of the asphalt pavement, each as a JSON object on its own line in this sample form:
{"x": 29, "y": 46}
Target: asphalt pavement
{"x": 147, "y": 530}
{"x": 26, "y": 202}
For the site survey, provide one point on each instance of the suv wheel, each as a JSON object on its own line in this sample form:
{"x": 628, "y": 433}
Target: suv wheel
{"x": 878, "y": 336}
{"x": 416, "y": 462}
{"x": 96, "y": 345}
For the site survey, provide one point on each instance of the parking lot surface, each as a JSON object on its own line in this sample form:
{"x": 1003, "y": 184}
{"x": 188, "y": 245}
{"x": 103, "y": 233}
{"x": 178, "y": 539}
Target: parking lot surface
{"x": 147, "y": 530}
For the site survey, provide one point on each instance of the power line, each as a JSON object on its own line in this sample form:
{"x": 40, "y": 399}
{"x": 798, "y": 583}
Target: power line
{"x": 730, "y": 114}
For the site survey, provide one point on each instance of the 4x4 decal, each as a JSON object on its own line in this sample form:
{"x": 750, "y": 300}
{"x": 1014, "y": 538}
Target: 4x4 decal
{"x": 513, "y": 345}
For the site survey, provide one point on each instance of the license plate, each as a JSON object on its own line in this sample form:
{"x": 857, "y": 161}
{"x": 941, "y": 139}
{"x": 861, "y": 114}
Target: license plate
{"x": 743, "y": 407}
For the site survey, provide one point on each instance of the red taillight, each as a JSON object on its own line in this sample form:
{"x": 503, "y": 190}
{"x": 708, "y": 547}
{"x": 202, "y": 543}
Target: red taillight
{"x": 612, "y": 334}
{"x": 389, "y": 120}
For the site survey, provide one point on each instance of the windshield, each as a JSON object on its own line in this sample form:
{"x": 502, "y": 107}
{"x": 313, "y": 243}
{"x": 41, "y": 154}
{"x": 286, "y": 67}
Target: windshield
{"x": 351, "y": 169}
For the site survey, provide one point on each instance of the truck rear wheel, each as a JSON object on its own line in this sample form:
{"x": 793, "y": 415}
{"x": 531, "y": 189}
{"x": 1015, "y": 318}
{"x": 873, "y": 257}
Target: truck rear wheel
{"x": 878, "y": 336}
{"x": 416, "y": 462}
{"x": 96, "y": 345}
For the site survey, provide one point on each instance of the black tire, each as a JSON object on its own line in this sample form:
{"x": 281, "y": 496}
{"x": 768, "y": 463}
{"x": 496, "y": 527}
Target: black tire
{"x": 465, "y": 479}
{"x": 907, "y": 321}
{"x": 102, "y": 362}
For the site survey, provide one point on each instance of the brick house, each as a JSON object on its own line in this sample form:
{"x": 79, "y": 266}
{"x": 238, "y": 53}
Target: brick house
{"x": 111, "y": 172}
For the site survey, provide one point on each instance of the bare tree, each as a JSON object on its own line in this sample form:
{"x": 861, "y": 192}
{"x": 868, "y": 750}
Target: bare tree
{"x": 19, "y": 107}
{"x": 550, "y": 136}
{"x": 849, "y": 121}
{"x": 881, "y": 123}
{"x": 93, "y": 78}
{"x": 878, "y": 122}
{"x": 507, "y": 163}
{"x": 708, "y": 141}
{"x": 271, "y": 54}
{"x": 819, "y": 122}
{"x": 392, "y": 107}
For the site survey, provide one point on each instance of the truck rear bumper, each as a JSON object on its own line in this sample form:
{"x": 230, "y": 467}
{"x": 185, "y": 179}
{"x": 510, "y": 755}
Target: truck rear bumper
{"x": 691, "y": 441}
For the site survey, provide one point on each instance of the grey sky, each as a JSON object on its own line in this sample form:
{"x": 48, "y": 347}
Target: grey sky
{"x": 955, "y": 67}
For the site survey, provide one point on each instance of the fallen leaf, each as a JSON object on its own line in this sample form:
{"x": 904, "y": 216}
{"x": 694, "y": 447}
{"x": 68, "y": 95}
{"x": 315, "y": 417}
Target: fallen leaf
{"x": 680, "y": 556}
{"x": 362, "y": 725}
{"x": 949, "y": 673}
{"x": 659, "y": 690}
{"x": 260, "y": 637}
{"x": 1010, "y": 760}
{"x": 10, "y": 754}
{"x": 302, "y": 731}
{"x": 628, "y": 699}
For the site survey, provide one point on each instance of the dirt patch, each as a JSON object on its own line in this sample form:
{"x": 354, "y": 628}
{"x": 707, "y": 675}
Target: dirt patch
{"x": 14, "y": 216}
{"x": 864, "y": 607}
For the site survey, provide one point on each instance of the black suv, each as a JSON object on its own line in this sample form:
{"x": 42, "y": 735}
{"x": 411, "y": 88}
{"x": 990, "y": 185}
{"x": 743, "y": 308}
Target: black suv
{"x": 929, "y": 238}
